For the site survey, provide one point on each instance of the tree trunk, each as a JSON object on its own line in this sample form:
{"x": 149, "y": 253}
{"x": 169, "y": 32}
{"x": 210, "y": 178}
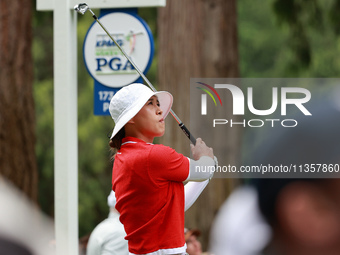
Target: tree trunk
{"x": 198, "y": 39}
{"x": 17, "y": 116}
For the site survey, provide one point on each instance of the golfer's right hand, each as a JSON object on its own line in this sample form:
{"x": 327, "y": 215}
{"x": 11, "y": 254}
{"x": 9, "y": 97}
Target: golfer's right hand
{"x": 201, "y": 149}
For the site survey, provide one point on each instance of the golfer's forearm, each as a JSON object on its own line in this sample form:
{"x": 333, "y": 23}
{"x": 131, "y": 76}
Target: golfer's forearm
{"x": 192, "y": 190}
{"x": 201, "y": 169}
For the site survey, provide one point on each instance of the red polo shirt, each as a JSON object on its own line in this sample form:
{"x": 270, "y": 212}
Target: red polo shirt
{"x": 147, "y": 179}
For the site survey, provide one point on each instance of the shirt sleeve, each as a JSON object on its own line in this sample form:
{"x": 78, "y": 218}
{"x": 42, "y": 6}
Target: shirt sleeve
{"x": 166, "y": 164}
{"x": 202, "y": 169}
{"x": 192, "y": 190}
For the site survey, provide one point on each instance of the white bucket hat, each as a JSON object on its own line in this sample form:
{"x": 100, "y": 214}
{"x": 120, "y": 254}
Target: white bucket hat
{"x": 128, "y": 101}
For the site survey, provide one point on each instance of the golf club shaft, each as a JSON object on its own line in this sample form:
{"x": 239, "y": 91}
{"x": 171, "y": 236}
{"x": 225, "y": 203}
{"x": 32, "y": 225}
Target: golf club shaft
{"x": 180, "y": 123}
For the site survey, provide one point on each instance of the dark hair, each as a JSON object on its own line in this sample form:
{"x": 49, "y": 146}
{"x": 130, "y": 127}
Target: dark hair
{"x": 116, "y": 142}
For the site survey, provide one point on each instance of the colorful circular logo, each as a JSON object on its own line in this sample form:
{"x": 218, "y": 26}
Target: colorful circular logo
{"x": 103, "y": 59}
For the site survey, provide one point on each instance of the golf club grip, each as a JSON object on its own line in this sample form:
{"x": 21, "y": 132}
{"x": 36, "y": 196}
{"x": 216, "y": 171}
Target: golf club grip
{"x": 187, "y": 133}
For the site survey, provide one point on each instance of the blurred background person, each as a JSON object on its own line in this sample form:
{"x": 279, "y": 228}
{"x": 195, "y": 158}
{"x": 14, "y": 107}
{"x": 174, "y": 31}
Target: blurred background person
{"x": 108, "y": 236}
{"x": 24, "y": 229}
{"x": 194, "y": 246}
{"x": 304, "y": 215}
{"x": 299, "y": 214}
{"x": 83, "y": 241}
{"x": 239, "y": 228}
{"x": 10, "y": 247}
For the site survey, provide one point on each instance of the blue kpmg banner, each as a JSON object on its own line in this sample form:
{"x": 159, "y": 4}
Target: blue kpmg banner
{"x": 106, "y": 64}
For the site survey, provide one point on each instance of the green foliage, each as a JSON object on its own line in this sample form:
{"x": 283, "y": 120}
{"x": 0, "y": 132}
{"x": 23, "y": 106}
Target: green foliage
{"x": 288, "y": 38}
{"x": 261, "y": 44}
{"x": 43, "y": 93}
{"x": 299, "y": 15}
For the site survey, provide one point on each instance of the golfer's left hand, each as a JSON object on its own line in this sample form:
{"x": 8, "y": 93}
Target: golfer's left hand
{"x": 201, "y": 149}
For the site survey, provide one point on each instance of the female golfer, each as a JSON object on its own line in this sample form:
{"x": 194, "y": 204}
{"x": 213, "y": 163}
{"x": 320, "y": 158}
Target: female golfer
{"x": 148, "y": 178}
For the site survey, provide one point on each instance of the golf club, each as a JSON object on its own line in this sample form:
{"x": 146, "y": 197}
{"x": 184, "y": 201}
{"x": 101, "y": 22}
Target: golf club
{"x": 82, "y": 8}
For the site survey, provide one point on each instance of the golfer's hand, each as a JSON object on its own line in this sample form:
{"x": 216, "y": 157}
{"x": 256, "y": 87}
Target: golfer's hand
{"x": 201, "y": 149}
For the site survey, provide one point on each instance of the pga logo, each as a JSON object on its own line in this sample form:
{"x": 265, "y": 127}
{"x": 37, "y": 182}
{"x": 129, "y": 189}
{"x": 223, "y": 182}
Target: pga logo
{"x": 239, "y": 104}
{"x": 103, "y": 58}
{"x": 110, "y": 59}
